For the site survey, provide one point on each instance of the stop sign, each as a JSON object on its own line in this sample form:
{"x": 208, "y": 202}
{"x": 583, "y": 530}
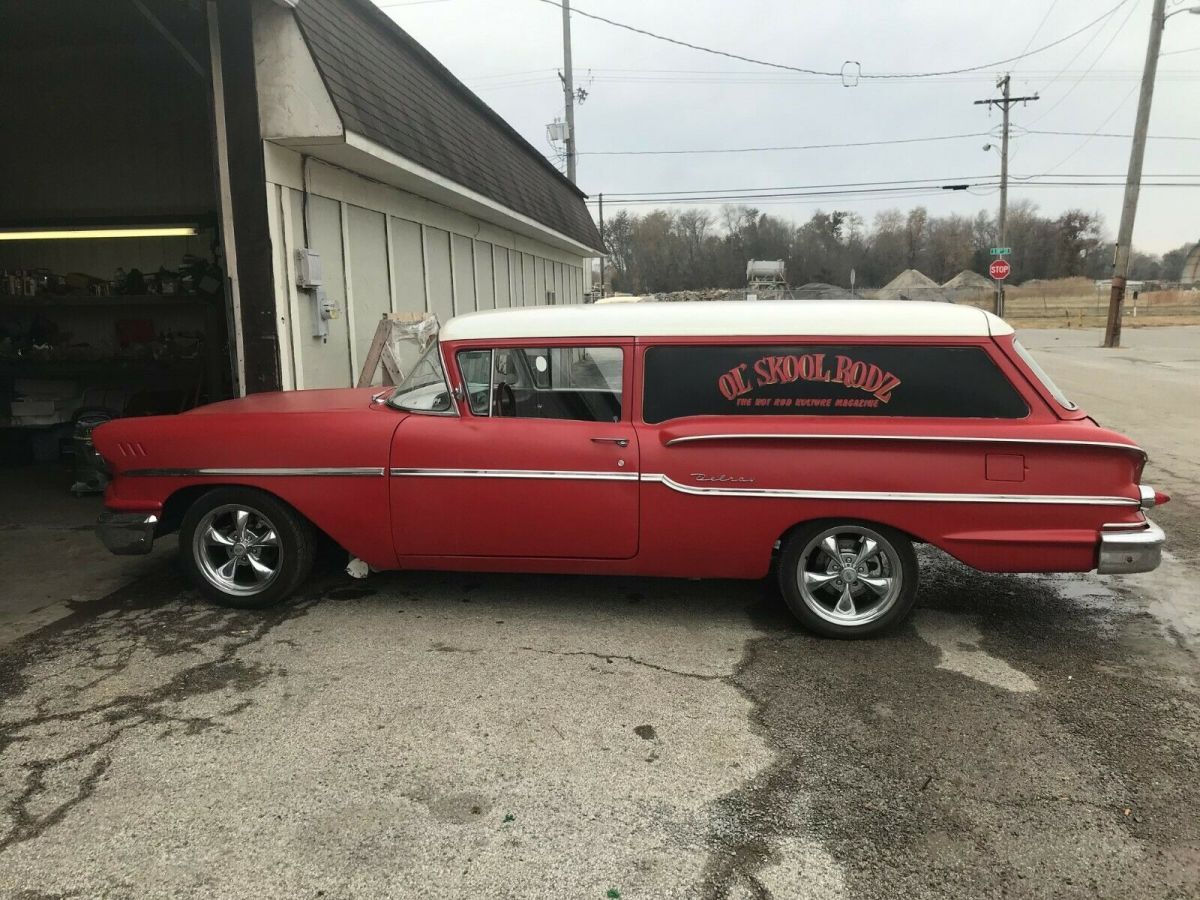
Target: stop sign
{"x": 999, "y": 269}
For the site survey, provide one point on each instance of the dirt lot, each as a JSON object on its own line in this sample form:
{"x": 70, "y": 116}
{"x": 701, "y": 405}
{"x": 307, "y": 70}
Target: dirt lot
{"x": 498, "y": 736}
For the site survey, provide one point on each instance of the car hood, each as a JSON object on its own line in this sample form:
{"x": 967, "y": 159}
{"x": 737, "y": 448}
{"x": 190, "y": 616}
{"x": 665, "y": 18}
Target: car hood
{"x": 294, "y": 401}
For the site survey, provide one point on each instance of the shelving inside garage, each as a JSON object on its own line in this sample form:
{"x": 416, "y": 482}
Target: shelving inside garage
{"x": 121, "y": 137}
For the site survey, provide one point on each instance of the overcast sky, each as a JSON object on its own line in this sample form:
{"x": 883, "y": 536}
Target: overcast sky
{"x": 644, "y": 94}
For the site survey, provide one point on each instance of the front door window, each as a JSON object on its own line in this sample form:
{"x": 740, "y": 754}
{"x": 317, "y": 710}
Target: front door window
{"x": 570, "y": 383}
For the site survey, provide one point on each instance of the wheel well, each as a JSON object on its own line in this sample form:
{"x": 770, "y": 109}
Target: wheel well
{"x": 833, "y": 520}
{"x": 175, "y": 507}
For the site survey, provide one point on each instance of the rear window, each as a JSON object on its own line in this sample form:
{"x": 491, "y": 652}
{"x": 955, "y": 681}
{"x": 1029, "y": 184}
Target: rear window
{"x": 1055, "y": 391}
{"x": 828, "y": 379}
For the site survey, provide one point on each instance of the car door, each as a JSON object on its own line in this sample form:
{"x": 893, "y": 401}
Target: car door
{"x": 540, "y": 462}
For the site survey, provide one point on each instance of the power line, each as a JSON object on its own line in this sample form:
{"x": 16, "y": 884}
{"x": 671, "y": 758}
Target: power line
{"x": 1099, "y": 56}
{"x": 703, "y": 78}
{"x": 1115, "y": 109}
{"x": 839, "y": 74}
{"x": 793, "y": 187}
{"x": 750, "y": 76}
{"x": 833, "y": 190}
{"x": 1078, "y": 53}
{"x": 876, "y": 193}
{"x": 1175, "y": 52}
{"x": 618, "y": 195}
{"x": 1038, "y": 30}
{"x": 879, "y": 143}
{"x": 1109, "y": 134}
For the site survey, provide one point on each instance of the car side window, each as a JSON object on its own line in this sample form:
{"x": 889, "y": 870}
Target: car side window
{"x": 573, "y": 383}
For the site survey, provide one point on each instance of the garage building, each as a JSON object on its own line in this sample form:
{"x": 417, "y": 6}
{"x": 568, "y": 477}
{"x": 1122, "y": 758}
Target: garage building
{"x": 163, "y": 162}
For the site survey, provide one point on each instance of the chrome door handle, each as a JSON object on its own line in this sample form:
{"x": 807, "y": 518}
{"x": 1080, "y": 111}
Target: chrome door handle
{"x": 620, "y": 442}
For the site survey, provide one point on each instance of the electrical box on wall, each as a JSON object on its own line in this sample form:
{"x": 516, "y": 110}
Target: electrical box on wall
{"x": 310, "y": 277}
{"x": 309, "y": 271}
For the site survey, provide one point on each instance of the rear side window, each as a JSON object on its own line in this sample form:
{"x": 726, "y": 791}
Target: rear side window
{"x": 1055, "y": 391}
{"x": 829, "y": 379}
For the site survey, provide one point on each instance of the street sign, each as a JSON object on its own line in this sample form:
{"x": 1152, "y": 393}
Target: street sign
{"x": 1001, "y": 251}
{"x": 999, "y": 269}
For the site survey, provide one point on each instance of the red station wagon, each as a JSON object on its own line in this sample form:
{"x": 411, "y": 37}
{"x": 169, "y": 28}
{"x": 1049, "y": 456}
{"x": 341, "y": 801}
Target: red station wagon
{"x": 698, "y": 440}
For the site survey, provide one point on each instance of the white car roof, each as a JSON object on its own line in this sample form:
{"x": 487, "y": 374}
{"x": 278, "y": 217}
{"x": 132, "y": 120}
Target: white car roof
{"x": 772, "y": 318}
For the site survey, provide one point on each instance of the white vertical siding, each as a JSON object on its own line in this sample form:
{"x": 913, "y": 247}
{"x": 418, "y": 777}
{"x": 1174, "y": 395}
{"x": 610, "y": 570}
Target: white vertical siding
{"x": 485, "y": 284}
{"x": 386, "y": 250}
{"x": 327, "y": 360}
{"x": 437, "y": 258}
{"x": 408, "y": 266}
{"x": 539, "y": 281}
{"x": 502, "y": 278}
{"x": 463, "y": 261}
{"x": 370, "y": 289}
{"x": 516, "y": 277}
{"x": 529, "y": 266}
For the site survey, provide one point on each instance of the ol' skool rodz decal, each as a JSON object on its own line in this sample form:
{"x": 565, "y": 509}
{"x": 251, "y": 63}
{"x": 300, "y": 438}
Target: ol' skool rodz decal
{"x": 844, "y": 370}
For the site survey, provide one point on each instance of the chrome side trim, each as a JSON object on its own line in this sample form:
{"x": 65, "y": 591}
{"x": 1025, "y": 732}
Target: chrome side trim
{"x": 338, "y": 471}
{"x": 552, "y": 474}
{"x": 796, "y": 494}
{"x": 900, "y": 437}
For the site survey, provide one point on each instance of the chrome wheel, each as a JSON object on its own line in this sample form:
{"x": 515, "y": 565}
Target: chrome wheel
{"x": 849, "y": 575}
{"x": 237, "y": 550}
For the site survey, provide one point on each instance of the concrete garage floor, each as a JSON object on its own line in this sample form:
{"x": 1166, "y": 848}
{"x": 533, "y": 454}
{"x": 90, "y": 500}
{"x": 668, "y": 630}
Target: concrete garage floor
{"x": 497, "y": 736}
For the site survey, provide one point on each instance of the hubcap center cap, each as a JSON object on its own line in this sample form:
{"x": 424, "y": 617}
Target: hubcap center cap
{"x": 849, "y": 575}
{"x": 239, "y": 549}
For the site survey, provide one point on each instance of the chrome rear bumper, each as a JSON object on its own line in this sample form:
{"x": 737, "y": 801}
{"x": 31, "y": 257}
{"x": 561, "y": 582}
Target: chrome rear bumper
{"x": 1126, "y": 552}
{"x": 127, "y": 534}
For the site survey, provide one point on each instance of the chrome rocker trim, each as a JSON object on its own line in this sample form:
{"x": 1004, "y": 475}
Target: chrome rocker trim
{"x": 687, "y": 439}
{"x": 552, "y": 474}
{"x": 127, "y": 534}
{"x": 339, "y": 471}
{"x": 1125, "y": 552}
{"x": 794, "y": 494}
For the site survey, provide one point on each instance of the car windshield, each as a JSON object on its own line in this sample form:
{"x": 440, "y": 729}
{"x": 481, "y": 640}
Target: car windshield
{"x": 424, "y": 389}
{"x": 1040, "y": 373}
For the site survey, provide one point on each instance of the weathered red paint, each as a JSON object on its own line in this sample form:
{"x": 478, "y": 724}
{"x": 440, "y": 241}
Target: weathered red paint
{"x": 630, "y": 526}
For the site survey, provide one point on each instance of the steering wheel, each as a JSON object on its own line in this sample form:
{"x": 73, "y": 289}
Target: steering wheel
{"x": 505, "y": 400}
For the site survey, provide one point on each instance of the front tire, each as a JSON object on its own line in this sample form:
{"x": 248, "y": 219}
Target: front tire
{"x": 848, "y": 579}
{"x": 244, "y": 548}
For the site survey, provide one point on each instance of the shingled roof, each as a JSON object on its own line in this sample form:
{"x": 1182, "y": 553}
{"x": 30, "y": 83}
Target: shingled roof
{"x": 388, "y": 88}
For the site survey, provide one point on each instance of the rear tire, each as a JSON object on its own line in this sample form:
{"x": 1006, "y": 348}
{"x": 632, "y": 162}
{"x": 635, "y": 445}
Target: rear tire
{"x": 244, "y": 548}
{"x": 848, "y": 579}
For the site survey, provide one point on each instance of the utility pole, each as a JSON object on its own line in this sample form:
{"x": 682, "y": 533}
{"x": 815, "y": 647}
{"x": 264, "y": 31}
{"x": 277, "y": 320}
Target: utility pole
{"x": 1133, "y": 180}
{"x": 568, "y": 82}
{"x": 1005, "y": 102}
{"x": 602, "y": 244}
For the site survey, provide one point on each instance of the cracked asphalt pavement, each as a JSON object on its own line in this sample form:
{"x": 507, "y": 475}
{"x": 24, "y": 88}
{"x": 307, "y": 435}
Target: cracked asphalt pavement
{"x": 449, "y": 735}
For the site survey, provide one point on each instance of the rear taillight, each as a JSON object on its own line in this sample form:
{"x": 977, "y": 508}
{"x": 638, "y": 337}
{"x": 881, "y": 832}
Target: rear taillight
{"x": 1148, "y": 497}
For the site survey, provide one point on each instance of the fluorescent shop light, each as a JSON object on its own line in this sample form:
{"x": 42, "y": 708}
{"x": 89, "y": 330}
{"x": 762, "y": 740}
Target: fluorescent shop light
{"x": 59, "y": 234}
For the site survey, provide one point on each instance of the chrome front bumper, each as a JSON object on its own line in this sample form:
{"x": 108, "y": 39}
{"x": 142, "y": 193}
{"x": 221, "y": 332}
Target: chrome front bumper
{"x": 1126, "y": 552}
{"x": 127, "y": 534}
